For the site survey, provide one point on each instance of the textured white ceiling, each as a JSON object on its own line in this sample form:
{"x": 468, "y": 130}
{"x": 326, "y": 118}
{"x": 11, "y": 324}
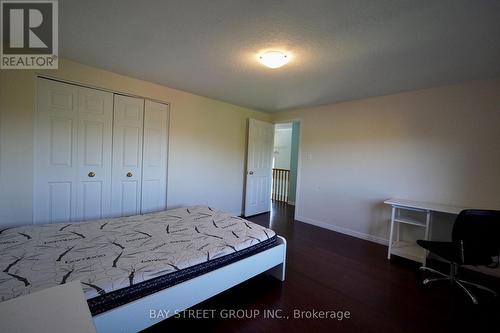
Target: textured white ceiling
{"x": 342, "y": 50}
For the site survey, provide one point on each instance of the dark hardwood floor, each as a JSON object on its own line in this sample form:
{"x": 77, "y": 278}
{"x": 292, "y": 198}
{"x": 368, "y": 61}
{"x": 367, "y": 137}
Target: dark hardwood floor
{"x": 328, "y": 271}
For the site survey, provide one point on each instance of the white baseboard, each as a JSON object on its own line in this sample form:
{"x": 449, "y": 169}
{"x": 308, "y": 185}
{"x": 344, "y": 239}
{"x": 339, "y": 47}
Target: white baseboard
{"x": 343, "y": 230}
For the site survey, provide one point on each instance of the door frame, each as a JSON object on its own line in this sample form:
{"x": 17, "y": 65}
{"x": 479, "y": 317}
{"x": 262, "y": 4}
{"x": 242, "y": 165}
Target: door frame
{"x": 299, "y": 160}
{"x": 91, "y": 86}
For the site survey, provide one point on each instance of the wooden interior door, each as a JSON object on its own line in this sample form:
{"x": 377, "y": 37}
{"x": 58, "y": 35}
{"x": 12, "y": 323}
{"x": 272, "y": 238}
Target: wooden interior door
{"x": 259, "y": 167}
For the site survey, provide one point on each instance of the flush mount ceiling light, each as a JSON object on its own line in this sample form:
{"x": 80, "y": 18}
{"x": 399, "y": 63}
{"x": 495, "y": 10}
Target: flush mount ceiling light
{"x": 274, "y": 59}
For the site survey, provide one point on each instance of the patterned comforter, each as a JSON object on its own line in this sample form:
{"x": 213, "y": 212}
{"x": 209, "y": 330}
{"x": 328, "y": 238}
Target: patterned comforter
{"x": 110, "y": 254}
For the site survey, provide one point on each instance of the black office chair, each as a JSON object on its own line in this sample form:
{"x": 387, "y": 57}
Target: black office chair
{"x": 475, "y": 241}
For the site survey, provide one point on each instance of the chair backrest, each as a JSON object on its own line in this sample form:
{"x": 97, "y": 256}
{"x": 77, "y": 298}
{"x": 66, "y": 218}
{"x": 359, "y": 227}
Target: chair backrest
{"x": 477, "y": 233}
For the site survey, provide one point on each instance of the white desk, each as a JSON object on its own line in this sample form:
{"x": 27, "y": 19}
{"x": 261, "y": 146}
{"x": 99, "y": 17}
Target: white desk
{"x": 58, "y": 309}
{"x": 423, "y": 212}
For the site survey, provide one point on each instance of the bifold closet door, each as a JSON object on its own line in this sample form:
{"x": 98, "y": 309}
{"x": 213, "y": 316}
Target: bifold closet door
{"x": 72, "y": 153}
{"x": 154, "y": 166}
{"x": 55, "y": 152}
{"x": 128, "y": 126}
{"x": 95, "y": 128}
{"x": 97, "y": 154}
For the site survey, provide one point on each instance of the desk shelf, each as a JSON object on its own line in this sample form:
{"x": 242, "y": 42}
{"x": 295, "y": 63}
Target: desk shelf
{"x": 408, "y": 250}
{"x": 407, "y": 220}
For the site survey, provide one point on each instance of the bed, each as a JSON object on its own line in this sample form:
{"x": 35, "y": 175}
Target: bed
{"x": 127, "y": 266}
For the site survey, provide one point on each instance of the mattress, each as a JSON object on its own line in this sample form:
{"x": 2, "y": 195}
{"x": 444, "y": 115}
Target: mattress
{"x": 122, "y": 259}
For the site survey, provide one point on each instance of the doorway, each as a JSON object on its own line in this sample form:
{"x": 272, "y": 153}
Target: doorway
{"x": 285, "y": 163}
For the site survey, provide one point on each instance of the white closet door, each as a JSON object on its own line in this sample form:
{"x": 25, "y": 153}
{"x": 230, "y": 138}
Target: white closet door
{"x": 55, "y": 190}
{"x": 94, "y": 153}
{"x": 127, "y": 155}
{"x": 154, "y": 166}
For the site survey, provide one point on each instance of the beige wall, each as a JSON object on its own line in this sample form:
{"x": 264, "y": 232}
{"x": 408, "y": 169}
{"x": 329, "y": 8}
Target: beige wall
{"x": 437, "y": 145}
{"x": 206, "y": 148}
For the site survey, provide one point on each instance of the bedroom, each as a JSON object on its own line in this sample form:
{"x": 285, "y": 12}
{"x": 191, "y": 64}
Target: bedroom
{"x": 394, "y": 100}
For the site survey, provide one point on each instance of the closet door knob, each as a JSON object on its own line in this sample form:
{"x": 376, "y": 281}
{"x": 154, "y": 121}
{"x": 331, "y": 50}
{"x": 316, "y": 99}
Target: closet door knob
{"x": 250, "y": 173}
{"x": 91, "y": 174}
{"x": 129, "y": 174}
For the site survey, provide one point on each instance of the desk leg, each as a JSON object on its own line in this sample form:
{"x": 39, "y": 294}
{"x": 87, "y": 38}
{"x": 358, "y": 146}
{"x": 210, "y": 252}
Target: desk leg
{"x": 391, "y": 232}
{"x": 427, "y": 228}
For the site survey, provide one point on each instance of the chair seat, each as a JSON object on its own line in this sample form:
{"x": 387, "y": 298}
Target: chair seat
{"x": 446, "y": 250}
{"x": 451, "y": 252}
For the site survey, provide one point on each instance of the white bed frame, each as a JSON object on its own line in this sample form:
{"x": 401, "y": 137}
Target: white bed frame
{"x": 135, "y": 316}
